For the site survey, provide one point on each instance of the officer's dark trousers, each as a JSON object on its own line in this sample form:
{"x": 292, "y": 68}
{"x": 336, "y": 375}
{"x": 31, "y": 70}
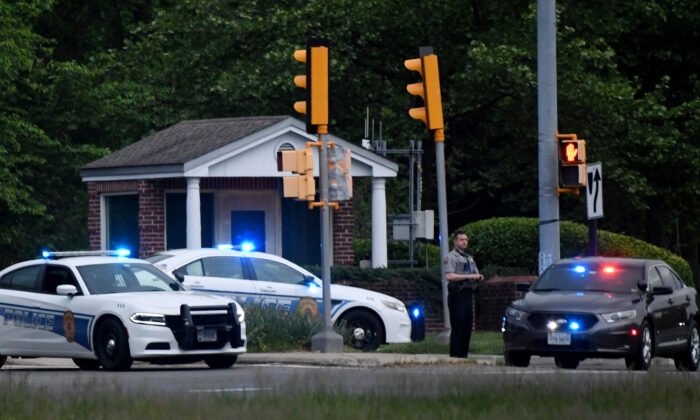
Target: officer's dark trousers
{"x": 459, "y": 301}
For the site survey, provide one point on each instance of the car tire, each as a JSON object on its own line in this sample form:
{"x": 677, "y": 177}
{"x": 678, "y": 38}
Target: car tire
{"x": 566, "y": 362}
{"x": 112, "y": 345}
{"x": 517, "y": 358}
{"x": 641, "y": 359}
{"x": 365, "y": 329}
{"x": 221, "y": 361}
{"x": 690, "y": 359}
{"x": 87, "y": 364}
{"x": 2, "y": 360}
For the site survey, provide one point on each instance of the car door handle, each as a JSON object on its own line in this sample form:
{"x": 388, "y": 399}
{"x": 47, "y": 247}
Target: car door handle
{"x": 687, "y": 298}
{"x": 268, "y": 290}
{"x": 670, "y": 301}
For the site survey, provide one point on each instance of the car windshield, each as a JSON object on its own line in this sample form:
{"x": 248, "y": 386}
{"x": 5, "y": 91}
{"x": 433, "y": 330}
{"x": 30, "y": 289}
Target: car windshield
{"x": 603, "y": 277}
{"x": 125, "y": 278}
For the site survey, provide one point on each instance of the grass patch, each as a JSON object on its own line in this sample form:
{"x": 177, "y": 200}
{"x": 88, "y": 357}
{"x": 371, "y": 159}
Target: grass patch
{"x": 482, "y": 342}
{"x": 457, "y": 396}
{"x": 278, "y": 330}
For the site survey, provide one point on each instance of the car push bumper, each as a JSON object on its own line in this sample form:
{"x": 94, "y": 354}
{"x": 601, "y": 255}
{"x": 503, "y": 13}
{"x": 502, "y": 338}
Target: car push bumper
{"x": 206, "y": 327}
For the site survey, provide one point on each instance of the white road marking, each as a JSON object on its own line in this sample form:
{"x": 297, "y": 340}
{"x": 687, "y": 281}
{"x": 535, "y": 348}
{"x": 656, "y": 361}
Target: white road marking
{"x": 219, "y": 390}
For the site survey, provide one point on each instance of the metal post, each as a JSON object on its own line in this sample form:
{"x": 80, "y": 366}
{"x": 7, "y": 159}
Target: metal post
{"x": 547, "y": 129}
{"x": 419, "y": 178}
{"x": 326, "y": 340}
{"x": 592, "y": 237}
{"x": 411, "y": 160}
{"x": 444, "y": 336}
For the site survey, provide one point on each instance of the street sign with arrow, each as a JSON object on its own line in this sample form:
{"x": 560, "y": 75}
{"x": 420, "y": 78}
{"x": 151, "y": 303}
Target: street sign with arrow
{"x": 594, "y": 190}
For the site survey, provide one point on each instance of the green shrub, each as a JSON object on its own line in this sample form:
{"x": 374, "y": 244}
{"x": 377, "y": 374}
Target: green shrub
{"x": 514, "y": 242}
{"x": 271, "y": 329}
{"x": 398, "y": 251}
{"x": 427, "y": 280}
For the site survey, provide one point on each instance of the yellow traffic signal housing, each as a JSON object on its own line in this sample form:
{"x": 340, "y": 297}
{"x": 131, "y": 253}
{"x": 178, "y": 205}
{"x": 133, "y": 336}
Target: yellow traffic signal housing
{"x": 572, "y": 162}
{"x": 339, "y": 179}
{"x": 300, "y": 162}
{"x": 297, "y": 161}
{"x": 301, "y": 187}
{"x": 428, "y": 89}
{"x": 315, "y": 107}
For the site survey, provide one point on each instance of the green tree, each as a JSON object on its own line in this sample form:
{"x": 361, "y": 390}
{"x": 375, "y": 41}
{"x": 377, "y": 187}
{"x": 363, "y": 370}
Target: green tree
{"x": 627, "y": 83}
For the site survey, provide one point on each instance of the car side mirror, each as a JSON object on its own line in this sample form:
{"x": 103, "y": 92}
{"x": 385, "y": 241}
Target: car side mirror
{"x": 661, "y": 290}
{"x": 642, "y": 285}
{"x": 522, "y": 286}
{"x": 179, "y": 274}
{"x": 66, "y": 290}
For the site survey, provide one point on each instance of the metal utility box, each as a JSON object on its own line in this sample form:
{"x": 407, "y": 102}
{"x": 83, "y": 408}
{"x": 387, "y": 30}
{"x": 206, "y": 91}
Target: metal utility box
{"x": 424, "y": 227}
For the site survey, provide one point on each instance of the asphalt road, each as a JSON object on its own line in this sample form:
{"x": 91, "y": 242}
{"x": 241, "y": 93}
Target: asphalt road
{"x": 285, "y": 378}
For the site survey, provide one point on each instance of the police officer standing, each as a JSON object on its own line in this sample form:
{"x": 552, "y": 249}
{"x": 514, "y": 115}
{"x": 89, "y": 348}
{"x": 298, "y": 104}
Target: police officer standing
{"x": 462, "y": 276}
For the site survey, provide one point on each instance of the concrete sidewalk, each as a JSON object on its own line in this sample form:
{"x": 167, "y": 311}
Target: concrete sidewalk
{"x": 362, "y": 359}
{"x": 304, "y": 358}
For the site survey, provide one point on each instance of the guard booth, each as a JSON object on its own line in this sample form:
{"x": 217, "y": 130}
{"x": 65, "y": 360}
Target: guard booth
{"x": 202, "y": 183}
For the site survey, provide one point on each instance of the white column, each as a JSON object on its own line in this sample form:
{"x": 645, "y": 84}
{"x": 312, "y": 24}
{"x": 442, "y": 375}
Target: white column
{"x": 194, "y": 221}
{"x": 379, "y": 254}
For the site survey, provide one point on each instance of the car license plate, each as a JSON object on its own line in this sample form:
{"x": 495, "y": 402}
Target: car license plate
{"x": 558, "y": 339}
{"x": 206, "y": 335}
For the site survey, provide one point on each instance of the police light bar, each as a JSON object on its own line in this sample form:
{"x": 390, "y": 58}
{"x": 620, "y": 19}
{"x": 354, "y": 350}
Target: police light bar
{"x": 244, "y": 246}
{"x": 50, "y": 255}
{"x": 247, "y": 246}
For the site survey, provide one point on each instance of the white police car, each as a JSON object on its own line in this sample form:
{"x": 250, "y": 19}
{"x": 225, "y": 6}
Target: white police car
{"x": 108, "y": 311}
{"x": 258, "y": 278}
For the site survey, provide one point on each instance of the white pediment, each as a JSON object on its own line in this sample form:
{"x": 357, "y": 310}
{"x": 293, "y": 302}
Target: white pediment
{"x": 256, "y": 155}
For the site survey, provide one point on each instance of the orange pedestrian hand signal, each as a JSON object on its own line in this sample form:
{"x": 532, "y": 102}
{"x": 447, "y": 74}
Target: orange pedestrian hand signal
{"x": 571, "y": 152}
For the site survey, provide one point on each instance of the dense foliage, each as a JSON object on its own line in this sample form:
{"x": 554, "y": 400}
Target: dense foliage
{"x": 81, "y": 78}
{"x": 508, "y": 242}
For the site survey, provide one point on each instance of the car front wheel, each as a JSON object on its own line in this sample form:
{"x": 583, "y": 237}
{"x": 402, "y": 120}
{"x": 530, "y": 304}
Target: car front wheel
{"x": 641, "y": 359}
{"x": 516, "y": 358}
{"x": 566, "y": 362}
{"x": 112, "y": 345}
{"x": 690, "y": 359}
{"x": 87, "y": 364}
{"x": 365, "y": 330}
{"x": 220, "y": 362}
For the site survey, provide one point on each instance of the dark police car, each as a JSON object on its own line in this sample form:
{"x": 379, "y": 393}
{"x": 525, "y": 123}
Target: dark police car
{"x": 604, "y": 308}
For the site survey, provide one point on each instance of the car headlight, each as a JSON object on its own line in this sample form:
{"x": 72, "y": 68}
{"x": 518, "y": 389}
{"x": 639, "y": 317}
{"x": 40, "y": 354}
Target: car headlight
{"x": 395, "y": 305}
{"x": 516, "y": 314}
{"x": 619, "y": 316}
{"x": 148, "y": 319}
{"x": 240, "y": 314}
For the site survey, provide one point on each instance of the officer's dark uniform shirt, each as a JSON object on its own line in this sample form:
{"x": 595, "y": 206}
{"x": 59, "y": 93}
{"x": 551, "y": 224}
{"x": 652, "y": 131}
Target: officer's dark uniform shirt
{"x": 461, "y": 263}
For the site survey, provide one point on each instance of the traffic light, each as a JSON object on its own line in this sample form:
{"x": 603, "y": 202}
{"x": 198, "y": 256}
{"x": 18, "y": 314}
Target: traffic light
{"x": 316, "y": 84}
{"x": 339, "y": 179}
{"x": 572, "y": 162}
{"x": 300, "y": 162}
{"x": 429, "y": 90}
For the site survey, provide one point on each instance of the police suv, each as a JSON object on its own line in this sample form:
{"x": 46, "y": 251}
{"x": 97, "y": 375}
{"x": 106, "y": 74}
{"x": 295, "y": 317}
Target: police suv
{"x": 264, "y": 279}
{"x": 110, "y": 310}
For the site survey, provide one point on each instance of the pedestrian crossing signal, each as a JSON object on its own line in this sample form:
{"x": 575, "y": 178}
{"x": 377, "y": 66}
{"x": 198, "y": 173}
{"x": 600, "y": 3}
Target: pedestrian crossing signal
{"x": 572, "y": 161}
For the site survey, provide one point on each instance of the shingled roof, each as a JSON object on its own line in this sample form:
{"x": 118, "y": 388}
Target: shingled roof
{"x": 184, "y": 141}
